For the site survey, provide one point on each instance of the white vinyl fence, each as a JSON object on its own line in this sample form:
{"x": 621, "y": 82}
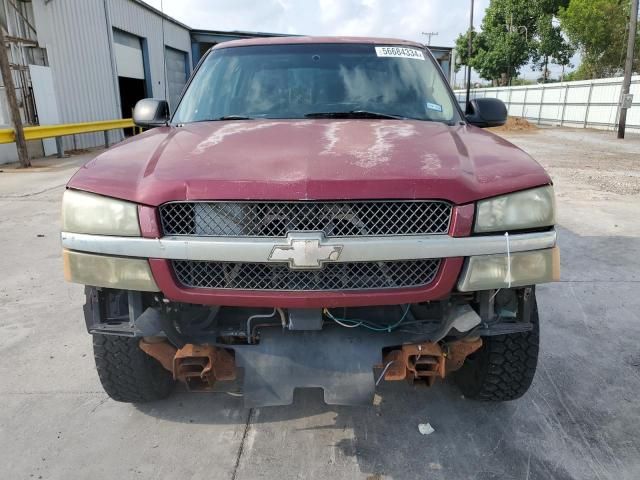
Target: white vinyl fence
{"x": 587, "y": 103}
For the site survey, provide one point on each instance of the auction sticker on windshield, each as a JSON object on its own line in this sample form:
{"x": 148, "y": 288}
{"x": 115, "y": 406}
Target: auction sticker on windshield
{"x": 401, "y": 52}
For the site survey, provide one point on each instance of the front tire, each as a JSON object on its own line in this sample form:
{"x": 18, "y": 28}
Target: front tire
{"x": 504, "y": 367}
{"x": 127, "y": 373}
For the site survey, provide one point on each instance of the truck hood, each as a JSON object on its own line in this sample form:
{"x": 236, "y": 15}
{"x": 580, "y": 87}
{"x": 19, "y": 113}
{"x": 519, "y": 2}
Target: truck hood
{"x": 310, "y": 159}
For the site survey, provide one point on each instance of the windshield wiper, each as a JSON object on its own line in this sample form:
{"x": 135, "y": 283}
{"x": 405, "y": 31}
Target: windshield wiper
{"x": 225, "y": 117}
{"x": 354, "y": 114}
{"x": 234, "y": 117}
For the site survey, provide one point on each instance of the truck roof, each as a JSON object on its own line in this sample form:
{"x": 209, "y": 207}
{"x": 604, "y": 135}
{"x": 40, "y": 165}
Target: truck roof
{"x": 309, "y": 40}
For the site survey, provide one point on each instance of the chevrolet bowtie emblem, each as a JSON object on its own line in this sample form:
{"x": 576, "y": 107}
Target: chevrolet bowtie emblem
{"x": 305, "y": 250}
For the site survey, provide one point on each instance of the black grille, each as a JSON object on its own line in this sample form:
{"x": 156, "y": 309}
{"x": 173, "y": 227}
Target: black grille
{"x": 276, "y": 219}
{"x": 333, "y": 276}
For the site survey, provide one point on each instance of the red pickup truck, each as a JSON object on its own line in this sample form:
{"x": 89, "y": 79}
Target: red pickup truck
{"x": 317, "y": 212}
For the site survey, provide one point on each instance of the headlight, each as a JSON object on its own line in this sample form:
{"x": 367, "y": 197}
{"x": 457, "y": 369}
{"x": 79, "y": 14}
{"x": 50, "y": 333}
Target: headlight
{"x": 528, "y": 209}
{"x": 94, "y": 214}
{"x": 486, "y": 272}
{"x": 107, "y": 271}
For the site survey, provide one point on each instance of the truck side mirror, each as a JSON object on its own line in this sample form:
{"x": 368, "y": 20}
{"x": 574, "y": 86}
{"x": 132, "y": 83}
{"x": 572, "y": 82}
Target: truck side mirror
{"x": 486, "y": 112}
{"x": 151, "y": 112}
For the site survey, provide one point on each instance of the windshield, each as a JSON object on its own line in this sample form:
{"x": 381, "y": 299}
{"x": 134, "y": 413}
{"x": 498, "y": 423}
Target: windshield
{"x": 317, "y": 81}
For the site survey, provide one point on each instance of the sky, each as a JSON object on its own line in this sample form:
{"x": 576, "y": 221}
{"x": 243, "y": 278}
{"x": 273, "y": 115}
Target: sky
{"x": 405, "y": 19}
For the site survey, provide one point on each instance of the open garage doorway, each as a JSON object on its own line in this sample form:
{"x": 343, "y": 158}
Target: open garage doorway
{"x": 130, "y": 66}
{"x": 131, "y": 90}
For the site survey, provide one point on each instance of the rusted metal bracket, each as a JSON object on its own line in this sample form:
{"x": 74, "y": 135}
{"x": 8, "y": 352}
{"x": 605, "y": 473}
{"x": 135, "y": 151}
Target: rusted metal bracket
{"x": 197, "y": 366}
{"x": 162, "y": 351}
{"x": 427, "y": 361}
{"x": 423, "y": 361}
{"x": 457, "y": 352}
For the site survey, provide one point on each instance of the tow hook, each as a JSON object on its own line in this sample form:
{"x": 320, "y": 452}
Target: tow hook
{"x": 427, "y": 361}
{"x": 197, "y": 366}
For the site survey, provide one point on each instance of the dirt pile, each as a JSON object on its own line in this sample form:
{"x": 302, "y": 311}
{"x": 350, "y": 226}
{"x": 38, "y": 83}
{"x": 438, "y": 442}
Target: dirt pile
{"x": 515, "y": 124}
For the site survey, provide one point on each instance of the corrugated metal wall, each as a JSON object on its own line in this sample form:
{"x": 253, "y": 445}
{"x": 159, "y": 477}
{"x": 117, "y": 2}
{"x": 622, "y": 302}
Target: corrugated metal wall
{"x": 78, "y": 36}
{"x": 585, "y": 103}
{"x": 138, "y": 20}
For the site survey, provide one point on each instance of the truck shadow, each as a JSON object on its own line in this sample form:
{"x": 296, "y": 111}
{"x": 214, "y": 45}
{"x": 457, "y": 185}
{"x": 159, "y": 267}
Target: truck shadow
{"x": 471, "y": 439}
{"x": 580, "y": 418}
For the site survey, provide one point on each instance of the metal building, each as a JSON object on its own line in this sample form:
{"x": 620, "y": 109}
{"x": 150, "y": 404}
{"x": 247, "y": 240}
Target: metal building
{"x": 203, "y": 40}
{"x": 105, "y": 55}
{"x": 16, "y": 19}
{"x": 91, "y": 60}
{"x": 96, "y": 59}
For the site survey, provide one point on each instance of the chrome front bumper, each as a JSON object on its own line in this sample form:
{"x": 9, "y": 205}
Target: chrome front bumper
{"x": 364, "y": 249}
{"x": 492, "y": 261}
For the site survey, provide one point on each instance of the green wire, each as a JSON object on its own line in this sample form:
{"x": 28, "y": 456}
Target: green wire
{"x": 362, "y": 323}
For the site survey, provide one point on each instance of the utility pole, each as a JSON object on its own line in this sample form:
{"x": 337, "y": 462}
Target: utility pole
{"x": 469, "y": 48}
{"x": 10, "y": 91}
{"x": 430, "y": 34}
{"x": 625, "y": 102}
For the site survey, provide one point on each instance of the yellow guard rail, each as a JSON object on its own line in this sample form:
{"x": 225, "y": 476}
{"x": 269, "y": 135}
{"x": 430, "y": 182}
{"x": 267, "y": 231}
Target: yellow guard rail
{"x": 38, "y": 132}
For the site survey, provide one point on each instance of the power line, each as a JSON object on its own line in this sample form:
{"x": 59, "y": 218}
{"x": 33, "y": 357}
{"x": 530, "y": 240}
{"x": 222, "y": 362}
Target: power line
{"x": 430, "y": 34}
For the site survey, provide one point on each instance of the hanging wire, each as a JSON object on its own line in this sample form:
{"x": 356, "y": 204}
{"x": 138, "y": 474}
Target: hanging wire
{"x": 352, "y": 323}
{"x": 384, "y": 372}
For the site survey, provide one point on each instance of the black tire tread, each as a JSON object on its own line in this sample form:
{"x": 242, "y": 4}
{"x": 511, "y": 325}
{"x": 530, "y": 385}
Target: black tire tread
{"x": 504, "y": 367}
{"x": 127, "y": 373}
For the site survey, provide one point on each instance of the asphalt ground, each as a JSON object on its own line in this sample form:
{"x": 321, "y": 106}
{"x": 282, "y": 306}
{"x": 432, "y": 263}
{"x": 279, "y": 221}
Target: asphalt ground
{"x": 580, "y": 419}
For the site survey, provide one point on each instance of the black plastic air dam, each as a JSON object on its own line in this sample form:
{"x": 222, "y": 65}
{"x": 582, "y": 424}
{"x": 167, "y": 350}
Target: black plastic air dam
{"x": 338, "y": 360}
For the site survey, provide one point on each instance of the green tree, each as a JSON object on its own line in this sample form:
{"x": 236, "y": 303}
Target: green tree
{"x": 599, "y": 29}
{"x": 508, "y": 28}
{"x": 514, "y": 33}
{"x": 551, "y": 45}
